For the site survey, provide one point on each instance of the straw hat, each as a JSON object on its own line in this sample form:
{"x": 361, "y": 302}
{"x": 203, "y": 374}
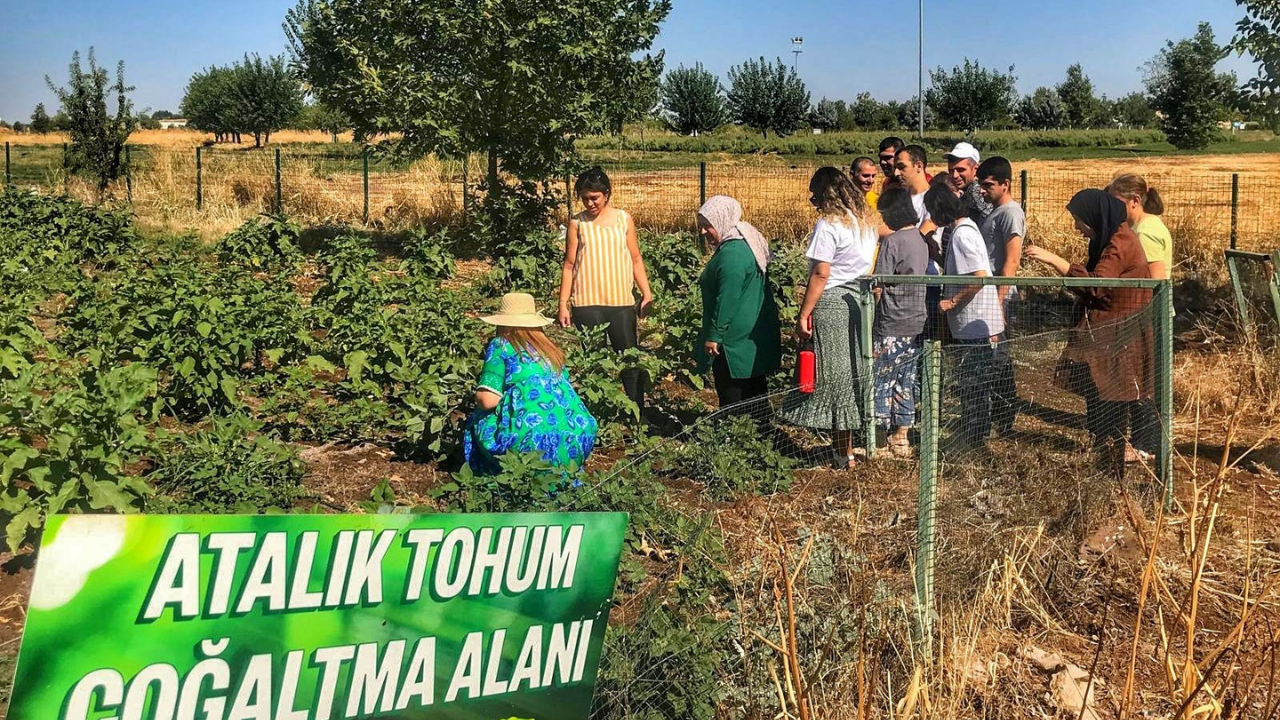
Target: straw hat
{"x": 518, "y": 310}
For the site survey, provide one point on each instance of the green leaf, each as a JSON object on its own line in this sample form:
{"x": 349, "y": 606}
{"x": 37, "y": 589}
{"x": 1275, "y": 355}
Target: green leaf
{"x": 21, "y": 524}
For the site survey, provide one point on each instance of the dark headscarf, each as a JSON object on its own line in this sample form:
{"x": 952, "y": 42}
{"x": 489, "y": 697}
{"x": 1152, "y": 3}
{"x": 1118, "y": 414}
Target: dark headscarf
{"x": 1104, "y": 214}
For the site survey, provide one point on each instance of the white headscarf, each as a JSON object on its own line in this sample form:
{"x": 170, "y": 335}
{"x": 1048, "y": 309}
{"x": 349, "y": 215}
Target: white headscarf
{"x": 725, "y": 215}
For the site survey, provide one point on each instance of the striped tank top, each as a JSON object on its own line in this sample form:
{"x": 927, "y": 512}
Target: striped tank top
{"x": 604, "y": 275}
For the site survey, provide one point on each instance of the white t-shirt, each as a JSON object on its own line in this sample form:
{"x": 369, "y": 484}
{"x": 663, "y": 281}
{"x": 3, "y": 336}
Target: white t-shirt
{"x": 922, "y": 212}
{"x": 850, "y": 247}
{"x": 981, "y": 316}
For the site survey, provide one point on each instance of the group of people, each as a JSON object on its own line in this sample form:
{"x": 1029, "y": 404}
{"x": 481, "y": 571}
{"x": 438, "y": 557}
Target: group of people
{"x": 899, "y": 220}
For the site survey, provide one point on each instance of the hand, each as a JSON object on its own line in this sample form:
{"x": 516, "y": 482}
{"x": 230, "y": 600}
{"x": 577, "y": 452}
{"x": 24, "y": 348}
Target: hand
{"x": 947, "y": 305}
{"x": 565, "y": 320}
{"x": 646, "y": 303}
{"x": 805, "y": 329}
{"x": 712, "y": 348}
{"x": 1035, "y": 252}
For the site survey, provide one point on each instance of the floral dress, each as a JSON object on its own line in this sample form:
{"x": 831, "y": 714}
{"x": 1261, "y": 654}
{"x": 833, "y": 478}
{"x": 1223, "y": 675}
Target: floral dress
{"x": 539, "y": 412}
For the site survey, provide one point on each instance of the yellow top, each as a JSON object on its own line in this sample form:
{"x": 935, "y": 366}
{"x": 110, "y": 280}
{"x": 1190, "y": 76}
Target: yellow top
{"x": 604, "y": 274}
{"x": 1156, "y": 240}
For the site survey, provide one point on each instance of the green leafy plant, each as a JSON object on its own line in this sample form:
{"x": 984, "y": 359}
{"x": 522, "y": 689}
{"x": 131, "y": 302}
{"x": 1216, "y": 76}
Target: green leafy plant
{"x": 73, "y": 443}
{"x": 729, "y": 457}
{"x": 525, "y": 483}
{"x": 427, "y": 255}
{"x": 267, "y": 245}
{"x": 531, "y": 264}
{"x": 229, "y": 467}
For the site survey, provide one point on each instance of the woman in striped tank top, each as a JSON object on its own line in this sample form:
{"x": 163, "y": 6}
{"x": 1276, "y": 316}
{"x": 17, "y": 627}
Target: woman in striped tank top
{"x": 602, "y": 268}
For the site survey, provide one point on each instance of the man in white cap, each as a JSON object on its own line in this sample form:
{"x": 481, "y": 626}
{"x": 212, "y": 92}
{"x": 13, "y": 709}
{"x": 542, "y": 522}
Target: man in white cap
{"x": 962, "y": 168}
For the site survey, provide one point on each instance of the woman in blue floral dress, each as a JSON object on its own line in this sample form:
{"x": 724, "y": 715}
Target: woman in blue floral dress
{"x": 524, "y": 402}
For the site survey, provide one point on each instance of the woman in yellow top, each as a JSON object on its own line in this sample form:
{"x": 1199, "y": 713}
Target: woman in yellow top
{"x": 602, "y": 268}
{"x": 1145, "y": 207}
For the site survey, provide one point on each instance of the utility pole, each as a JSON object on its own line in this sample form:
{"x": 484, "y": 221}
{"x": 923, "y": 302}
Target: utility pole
{"x": 797, "y": 47}
{"x": 921, "y": 97}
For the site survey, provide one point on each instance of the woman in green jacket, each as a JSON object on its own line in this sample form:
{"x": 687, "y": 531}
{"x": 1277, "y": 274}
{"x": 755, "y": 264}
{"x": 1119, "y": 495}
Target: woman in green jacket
{"x": 740, "y": 336}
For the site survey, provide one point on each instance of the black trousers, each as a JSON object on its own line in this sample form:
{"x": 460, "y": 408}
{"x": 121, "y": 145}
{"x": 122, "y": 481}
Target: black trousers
{"x": 1109, "y": 422}
{"x": 623, "y": 334}
{"x": 732, "y": 391}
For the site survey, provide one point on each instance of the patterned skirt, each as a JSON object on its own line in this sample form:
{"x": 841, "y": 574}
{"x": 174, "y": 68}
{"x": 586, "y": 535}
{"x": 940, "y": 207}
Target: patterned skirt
{"x": 897, "y": 380}
{"x": 841, "y": 372}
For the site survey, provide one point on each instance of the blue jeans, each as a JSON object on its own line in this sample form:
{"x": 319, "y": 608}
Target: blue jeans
{"x": 976, "y": 380}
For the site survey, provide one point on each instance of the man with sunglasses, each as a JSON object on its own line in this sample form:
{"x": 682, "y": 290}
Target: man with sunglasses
{"x": 889, "y": 149}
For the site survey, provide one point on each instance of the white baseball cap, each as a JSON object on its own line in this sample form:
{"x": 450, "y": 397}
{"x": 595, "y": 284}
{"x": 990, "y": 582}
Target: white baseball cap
{"x": 964, "y": 151}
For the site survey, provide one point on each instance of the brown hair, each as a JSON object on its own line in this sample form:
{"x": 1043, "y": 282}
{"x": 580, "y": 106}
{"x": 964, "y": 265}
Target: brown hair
{"x": 535, "y": 342}
{"x": 1129, "y": 186}
{"x": 835, "y": 196}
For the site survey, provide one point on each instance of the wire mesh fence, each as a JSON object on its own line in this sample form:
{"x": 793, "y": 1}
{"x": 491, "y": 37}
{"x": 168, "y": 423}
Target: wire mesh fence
{"x": 929, "y": 426}
{"x": 1207, "y": 212}
{"x": 1256, "y": 291}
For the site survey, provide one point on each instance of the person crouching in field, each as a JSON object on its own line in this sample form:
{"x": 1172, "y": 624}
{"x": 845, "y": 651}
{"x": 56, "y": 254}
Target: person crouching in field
{"x": 900, "y": 318}
{"x": 739, "y": 339}
{"x": 602, "y": 269}
{"x": 524, "y": 402}
{"x": 841, "y": 250}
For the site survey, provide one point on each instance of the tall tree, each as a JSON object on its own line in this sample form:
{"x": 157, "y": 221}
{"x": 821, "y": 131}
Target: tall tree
{"x": 908, "y": 113}
{"x": 1076, "y": 92}
{"x": 97, "y": 136}
{"x": 517, "y": 80}
{"x": 1134, "y": 111}
{"x": 1041, "y": 110}
{"x": 1258, "y": 34}
{"x": 767, "y": 96}
{"x": 824, "y": 116}
{"x": 265, "y": 96}
{"x": 871, "y": 114}
{"x": 318, "y": 116}
{"x": 40, "y": 120}
{"x": 207, "y": 104}
{"x": 693, "y": 99}
{"x": 971, "y": 96}
{"x": 1187, "y": 91}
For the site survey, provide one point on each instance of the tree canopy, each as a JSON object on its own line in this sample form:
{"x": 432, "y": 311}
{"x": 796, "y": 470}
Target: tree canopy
{"x": 767, "y": 96}
{"x": 1258, "y": 34}
{"x": 98, "y": 137}
{"x": 693, "y": 100}
{"x": 1187, "y": 90}
{"x": 254, "y": 96}
{"x": 1041, "y": 110}
{"x": 40, "y": 120}
{"x": 1079, "y": 103}
{"x": 514, "y": 79}
{"x": 971, "y": 96}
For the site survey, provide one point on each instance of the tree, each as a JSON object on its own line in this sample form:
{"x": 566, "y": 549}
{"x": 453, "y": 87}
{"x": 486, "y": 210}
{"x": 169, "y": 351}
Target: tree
{"x": 767, "y": 96}
{"x": 824, "y": 116}
{"x": 61, "y": 123}
{"x": 163, "y": 115}
{"x": 318, "y": 116}
{"x": 908, "y": 113}
{"x": 147, "y": 121}
{"x": 971, "y": 96}
{"x": 265, "y": 97}
{"x": 208, "y": 105}
{"x": 1187, "y": 91}
{"x": 1134, "y": 111}
{"x": 1258, "y": 34}
{"x": 693, "y": 99}
{"x": 97, "y": 137}
{"x": 1041, "y": 110}
{"x": 40, "y": 120}
{"x": 19, "y": 128}
{"x": 1076, "y": 93}
{"x": 871, "y": 114}
{"x": 519, "y": 81}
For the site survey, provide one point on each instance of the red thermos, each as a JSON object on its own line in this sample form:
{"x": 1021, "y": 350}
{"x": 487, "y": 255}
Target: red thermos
{"x": 807, "y": 369}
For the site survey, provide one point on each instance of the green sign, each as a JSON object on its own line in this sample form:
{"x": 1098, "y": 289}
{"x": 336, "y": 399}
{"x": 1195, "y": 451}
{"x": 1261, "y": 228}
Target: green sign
{"x": 294, "y": 617}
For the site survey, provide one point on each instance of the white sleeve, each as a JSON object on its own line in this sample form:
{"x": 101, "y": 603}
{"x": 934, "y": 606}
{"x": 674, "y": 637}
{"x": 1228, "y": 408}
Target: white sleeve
{"x": 822, "y": 244}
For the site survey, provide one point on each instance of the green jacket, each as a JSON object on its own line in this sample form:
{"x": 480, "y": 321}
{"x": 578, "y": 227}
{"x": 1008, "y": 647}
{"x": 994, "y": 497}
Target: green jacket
{"x": 738, "y": 311}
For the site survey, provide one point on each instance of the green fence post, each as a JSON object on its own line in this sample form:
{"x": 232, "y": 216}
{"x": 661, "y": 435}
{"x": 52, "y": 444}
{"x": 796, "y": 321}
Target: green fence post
{"x": 279, "y": 192}
{"x": 199, "y": 181}
{"x": 1164, "y": 385}
{"x": 128, "y": 175}
{"x": 66, "y": 174}
{"x": 365, "y": 169}
{"x": 867, "y": 302}
{"x": 927, "y": 501}
{"x": 1235, "y": 209}
{"x": 1023, "y": 198}
{"x": 8, "y": 176}
{"x": 466, "y": 192}
{"x": 1242, "y": 305}
{"x": 702, "y": 184}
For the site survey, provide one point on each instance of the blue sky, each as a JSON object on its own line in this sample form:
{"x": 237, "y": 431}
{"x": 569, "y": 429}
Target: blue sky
{"x": 850, "y": 46}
